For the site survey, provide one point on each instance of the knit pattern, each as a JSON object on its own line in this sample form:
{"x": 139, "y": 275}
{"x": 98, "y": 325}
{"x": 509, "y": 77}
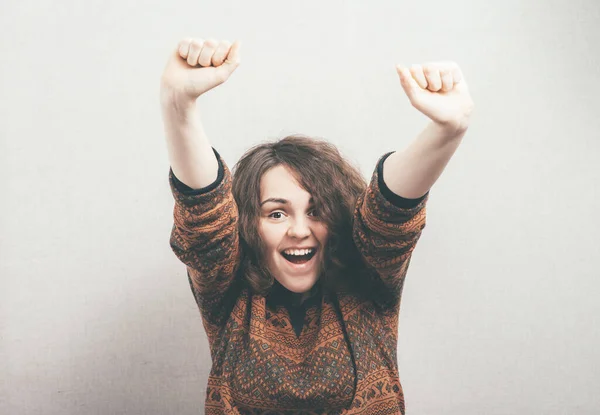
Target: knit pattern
{"x": 344, "y": 360}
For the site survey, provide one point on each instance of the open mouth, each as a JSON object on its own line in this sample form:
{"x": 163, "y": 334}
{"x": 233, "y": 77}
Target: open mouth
{"x": 299, "y": 256}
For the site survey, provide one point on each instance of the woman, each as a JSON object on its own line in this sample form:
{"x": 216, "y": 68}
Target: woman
{"x": 296, "y": 264}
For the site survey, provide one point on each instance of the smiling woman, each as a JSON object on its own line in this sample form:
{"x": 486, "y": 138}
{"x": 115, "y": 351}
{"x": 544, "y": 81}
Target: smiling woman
{"x": 293, "y": 236}
{"x": 294, "y": 194}
{"x": 296, "y": 263}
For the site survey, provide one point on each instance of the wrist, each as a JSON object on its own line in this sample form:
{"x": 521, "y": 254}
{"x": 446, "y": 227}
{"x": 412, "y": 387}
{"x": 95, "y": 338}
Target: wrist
{"x": 174, "y": 100}
{"x": 177, "y": 108}
{"x": 451, "y": 129}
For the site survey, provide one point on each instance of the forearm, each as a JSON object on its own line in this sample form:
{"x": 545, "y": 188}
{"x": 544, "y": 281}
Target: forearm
{"x": 190, "y": 152}
{"x": 412, "y": 172}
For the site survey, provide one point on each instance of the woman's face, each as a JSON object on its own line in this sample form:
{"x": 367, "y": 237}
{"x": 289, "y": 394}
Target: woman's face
{"x": 293, "y": 235}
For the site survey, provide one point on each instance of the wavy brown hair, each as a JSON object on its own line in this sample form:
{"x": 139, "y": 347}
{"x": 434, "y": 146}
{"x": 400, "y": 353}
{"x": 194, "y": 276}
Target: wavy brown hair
{"x": 321, "y": 170}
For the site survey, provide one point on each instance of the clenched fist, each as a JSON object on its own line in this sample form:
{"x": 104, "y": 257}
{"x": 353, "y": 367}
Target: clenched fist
{"x": 198, "y": 66}
{"x": 439, "y": 91}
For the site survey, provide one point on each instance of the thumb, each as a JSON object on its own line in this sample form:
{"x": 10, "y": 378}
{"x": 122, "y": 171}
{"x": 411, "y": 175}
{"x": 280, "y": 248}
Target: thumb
{"x": 231, "y": 62}
{"x": 408, "y": 83}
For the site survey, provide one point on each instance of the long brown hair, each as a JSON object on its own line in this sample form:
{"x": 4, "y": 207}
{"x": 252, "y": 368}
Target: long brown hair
{"x": 320, "y": 169}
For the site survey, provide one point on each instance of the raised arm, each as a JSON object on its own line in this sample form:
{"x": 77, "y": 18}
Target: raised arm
{"x": 439, "y": 91}
{"x": 193, "y": 69}
{"x": 391, "y": 216}
{"x": 205, "y": 234}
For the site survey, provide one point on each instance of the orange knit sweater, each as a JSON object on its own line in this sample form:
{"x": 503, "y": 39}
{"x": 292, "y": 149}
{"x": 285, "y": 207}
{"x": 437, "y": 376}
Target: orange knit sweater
{"x": 343, "y": 361}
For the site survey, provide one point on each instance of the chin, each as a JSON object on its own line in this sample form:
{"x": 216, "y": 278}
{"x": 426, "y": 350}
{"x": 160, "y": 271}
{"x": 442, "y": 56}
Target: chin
{"x": 295, "y": 280}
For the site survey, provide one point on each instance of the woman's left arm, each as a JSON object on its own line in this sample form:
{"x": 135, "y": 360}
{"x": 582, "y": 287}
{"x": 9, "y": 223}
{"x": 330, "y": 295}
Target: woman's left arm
{"x": 439, "y": 91}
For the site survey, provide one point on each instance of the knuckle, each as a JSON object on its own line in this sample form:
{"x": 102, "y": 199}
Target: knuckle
{"x": 197, "y": 42}
{"x": 447, "y": 66}
{"x": 185, "y": 42}
{"x": 183, "y": 47}
{"x": 221, "y": 49}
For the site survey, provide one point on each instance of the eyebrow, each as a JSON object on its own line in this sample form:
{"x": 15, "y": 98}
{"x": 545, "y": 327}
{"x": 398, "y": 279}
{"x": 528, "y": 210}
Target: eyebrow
{"x": 281, "y": 201}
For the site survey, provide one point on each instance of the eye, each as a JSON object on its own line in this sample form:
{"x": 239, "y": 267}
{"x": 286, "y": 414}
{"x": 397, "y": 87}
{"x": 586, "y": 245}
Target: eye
{"x": 313, "y": 212}
{"x": 276, "y": 215}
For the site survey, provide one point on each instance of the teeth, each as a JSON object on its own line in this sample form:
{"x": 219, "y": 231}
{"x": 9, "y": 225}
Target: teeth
{"x": 298, "y": 251}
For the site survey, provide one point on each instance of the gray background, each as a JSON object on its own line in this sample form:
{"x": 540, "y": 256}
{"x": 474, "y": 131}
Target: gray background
{"x": 499, "y": 309}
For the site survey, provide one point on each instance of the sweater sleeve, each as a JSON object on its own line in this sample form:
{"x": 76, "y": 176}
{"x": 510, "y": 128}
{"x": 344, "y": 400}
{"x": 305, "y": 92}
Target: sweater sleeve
{"x": 386, "y": 230}
{"x": 205, "y": 238}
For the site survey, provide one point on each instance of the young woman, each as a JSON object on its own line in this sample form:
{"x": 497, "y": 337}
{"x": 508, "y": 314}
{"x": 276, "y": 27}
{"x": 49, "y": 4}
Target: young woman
{"x": 297, "y": 264}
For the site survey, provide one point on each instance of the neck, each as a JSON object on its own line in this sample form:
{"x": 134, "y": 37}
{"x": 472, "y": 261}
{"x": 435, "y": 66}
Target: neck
{"x": 292, "y": 298}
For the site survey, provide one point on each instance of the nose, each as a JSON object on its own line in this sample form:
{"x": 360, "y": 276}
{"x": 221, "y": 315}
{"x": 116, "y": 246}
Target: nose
{"x": 299, "y": 229}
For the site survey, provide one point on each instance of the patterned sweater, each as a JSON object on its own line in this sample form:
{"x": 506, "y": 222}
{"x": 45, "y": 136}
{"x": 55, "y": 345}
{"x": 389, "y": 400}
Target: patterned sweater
{"x": 333, "y": 354}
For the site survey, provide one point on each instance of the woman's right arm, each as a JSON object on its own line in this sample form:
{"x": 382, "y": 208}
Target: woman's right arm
{"x": 190, "y": 153}
{"x": 205, "y": 235}
{"x": 194, "y": 68}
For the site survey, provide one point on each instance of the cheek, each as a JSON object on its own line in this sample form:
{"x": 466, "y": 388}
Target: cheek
{"x": 322, "y": 234}
{"x": 271, "y": 236}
